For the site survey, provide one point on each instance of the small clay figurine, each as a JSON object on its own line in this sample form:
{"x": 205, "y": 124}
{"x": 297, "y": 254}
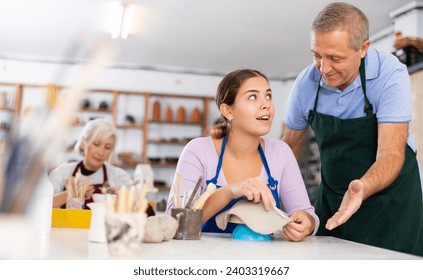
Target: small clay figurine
{"x": 160, "y": 228}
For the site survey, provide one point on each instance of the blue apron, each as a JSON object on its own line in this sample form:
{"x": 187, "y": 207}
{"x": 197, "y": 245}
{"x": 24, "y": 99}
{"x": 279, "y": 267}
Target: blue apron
{"x": 210, "y": 225}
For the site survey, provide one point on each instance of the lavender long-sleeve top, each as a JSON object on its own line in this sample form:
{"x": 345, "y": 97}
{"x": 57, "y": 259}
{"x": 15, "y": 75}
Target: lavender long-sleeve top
{"x": 199, "y": 158}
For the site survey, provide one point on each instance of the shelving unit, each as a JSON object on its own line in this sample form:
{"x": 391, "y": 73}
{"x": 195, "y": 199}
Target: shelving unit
{"x": 167, "y": 134}
{"x": 10, "y": 104}
{"x": 310, "y": 165}
{"x": 131, "y": 112}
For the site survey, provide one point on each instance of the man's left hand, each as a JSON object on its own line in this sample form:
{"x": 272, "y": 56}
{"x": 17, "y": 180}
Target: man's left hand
{"x": 350, "y": 204}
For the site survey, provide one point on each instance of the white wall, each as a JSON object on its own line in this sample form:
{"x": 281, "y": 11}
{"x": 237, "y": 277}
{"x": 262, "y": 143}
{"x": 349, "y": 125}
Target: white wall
{"x": 132, "y": 80}
{"x": 410, "y": 22}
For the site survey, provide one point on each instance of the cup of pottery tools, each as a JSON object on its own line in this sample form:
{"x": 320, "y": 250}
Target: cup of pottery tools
{"x": 125, "y": 232}
{"x": 125, "y": 221}
{"x": 74, "y": 203}
{"x": 76, "y": 190}
{"x": 189, "y": 223}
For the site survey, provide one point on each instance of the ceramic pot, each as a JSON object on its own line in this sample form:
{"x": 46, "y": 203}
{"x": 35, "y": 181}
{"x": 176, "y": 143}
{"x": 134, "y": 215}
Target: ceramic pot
{"x": 181, "y": 115}
{"x": 195, "y": 115}
{"x": 156, "y": 111}
{"x": 169, "y": 114}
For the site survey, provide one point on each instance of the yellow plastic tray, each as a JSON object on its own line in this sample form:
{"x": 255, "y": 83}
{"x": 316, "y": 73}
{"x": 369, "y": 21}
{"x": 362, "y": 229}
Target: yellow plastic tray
{"x": 70, "y": 218}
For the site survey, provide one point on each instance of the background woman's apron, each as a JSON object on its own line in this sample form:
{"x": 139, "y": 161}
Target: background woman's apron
{"x": 97, "y": 187}
{"x": 391, "y": 218}
{"x": 210, "y": 225}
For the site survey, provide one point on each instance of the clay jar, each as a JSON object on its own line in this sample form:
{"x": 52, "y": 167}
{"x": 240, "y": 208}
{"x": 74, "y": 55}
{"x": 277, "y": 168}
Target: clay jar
{"x": 195, "y": 115}
{"x": 156, "y": 111}
{"x": 169, "y": 114}
{"x": 181, "y": 115}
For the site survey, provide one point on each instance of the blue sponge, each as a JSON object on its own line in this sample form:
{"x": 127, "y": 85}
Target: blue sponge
{"x": 242, "y": 232}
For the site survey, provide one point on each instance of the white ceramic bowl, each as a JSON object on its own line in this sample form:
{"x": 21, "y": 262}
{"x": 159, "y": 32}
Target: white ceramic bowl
{"x": 100, "y": 197}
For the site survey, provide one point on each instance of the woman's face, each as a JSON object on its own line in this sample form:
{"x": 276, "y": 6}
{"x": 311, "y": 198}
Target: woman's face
{"x": 253, "y": 109}
{"x": 97, "y": 152}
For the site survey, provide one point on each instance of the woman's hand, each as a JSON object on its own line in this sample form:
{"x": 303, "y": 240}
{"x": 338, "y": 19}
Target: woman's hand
{"x": 254, "y": 189}
{"x": 89, "y": 192}
{"x": 302, "y": 225}
{"x": 111, "y": 190}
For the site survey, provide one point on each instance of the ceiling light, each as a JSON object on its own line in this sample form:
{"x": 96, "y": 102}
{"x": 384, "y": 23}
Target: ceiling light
{"x": 122, "y": 18}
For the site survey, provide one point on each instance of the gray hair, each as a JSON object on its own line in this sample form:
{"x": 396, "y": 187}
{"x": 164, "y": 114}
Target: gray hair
{"x": 344, "y": 17}
{"x": 95, "y": 129}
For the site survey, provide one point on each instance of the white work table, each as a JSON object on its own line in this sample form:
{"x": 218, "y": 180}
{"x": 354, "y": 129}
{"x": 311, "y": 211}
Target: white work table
{"x": 73, "y": 244}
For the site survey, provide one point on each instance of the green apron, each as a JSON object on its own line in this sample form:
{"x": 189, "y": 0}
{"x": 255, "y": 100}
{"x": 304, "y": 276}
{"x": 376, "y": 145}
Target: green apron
{"x": 391, "y": 218}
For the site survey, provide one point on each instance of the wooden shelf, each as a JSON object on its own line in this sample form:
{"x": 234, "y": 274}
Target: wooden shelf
{"x": 163, "y": 164}
{"x": 175, "y": 122}
{"x": 95, "y": 110}
{"x": 130, "y": 126}
{"x": 167, "y": 142}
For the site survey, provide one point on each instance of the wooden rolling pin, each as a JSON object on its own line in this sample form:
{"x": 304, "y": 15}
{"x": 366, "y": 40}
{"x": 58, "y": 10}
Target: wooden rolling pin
{"x": 211, "y": 188}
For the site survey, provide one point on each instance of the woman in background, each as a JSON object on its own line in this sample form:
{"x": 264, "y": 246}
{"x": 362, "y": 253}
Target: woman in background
{"x": 241, "y": 163}
{"x": 96, "y": 143}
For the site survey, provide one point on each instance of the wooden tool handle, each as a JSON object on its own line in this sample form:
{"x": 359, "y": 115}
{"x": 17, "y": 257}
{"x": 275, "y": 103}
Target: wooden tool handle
{"x": 211, "y": 188}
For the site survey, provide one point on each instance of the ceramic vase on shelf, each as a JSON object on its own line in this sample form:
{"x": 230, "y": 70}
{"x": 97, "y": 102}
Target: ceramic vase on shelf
{"x": 195, "y": 115}
{"x": 181, "y": 115}
{"x": 156, "y": 111}
{"x": 169, "y": 114}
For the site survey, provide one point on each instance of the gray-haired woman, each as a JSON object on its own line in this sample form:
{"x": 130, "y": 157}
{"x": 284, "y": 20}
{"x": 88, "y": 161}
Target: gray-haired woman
{"x": 96, "y": 143}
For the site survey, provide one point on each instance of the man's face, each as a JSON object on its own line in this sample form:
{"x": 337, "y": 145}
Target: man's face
{"x": 337, "y": 62}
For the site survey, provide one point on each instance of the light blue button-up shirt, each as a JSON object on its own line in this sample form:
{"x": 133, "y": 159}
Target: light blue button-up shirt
{"x": 388, "y": 89}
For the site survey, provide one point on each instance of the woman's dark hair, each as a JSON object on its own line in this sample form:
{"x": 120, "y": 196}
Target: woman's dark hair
{"x": 226, "y": 94}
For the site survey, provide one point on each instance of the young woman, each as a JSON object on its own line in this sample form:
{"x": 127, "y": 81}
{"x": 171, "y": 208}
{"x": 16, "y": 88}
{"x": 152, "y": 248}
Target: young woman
{"x": 241, "y": 163}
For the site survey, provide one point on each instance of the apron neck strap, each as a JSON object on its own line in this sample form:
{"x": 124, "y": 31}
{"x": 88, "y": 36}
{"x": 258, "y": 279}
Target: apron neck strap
{"x": 317, "y": 95}
{"x": 272, "y": 183}
{"x": 219, "y": 163}
{"x": 368, "y": 108}
{"x": 78, "y": 166}
{"x": 105, "y": 174}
